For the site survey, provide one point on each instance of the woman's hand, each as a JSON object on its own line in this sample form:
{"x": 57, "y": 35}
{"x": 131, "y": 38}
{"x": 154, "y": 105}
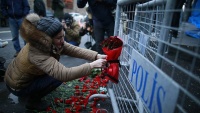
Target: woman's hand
{"x": 98, "y": 63}
{"x": 99, "y": 56}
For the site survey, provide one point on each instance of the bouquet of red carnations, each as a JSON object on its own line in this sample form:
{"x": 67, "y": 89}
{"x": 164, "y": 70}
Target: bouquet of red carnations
{"x": 112, "y": 47}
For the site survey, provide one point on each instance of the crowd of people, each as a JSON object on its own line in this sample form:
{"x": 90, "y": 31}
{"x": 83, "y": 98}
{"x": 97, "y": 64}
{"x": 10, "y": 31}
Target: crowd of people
{"x": 35, "y": 70}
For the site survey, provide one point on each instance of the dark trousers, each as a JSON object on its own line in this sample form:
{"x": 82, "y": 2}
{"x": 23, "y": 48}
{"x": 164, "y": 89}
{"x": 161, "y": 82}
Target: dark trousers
{"x": 39, "y": 88}
{"x": 99, "y": 34}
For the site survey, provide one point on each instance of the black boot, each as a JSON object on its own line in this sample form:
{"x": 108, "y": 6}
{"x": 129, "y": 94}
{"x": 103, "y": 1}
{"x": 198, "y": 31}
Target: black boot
{"x": 39, "y": 105}
{"x": 35, "y": 101}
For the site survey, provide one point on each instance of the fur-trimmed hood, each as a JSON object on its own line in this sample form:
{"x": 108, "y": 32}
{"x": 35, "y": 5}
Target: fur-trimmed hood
{"x": 32, "y": 35}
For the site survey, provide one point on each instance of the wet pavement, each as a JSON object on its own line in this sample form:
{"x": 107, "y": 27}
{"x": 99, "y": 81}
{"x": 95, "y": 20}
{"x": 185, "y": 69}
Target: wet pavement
{"x": 8, "y": 102}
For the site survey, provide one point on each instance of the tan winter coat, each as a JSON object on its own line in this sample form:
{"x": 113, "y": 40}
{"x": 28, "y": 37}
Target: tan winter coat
{"x": 36, "y": 58}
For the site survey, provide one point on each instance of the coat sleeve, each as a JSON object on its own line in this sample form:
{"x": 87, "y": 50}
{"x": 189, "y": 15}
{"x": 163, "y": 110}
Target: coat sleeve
{"x": 52, "y": 67}
{"x": 81, "y": 3}
{"x": 61, "y": 4}
{"x": 26, "y": 7}
{"x": 4, "y": 8}
{"x": 78, "y": 52}
{"x": 39, "y": 8}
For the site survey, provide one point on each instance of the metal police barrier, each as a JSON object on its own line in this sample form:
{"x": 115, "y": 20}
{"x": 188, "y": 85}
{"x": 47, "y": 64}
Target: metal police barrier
{"x": 159, "y": 70}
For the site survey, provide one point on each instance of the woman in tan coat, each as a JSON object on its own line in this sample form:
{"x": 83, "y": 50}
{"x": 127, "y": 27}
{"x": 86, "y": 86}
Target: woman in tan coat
{"x": 36, "y": 70}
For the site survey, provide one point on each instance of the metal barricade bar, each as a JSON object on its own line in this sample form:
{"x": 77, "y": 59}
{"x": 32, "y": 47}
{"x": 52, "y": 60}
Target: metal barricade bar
{"x": 154, "y": 63}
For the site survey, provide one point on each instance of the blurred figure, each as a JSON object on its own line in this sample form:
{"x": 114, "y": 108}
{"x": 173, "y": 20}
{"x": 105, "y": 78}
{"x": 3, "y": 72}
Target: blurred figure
{"x": 39, "y": 8}
{"x": 87, "y": 28}
{"x": 89, "y": 15}
{"x": 15, "y": 11}
{"x": 3, "y": 20}
{"x": 3, "y": 43}
{"x": 71, "y": 28}
{"x": 103, "y": 19}
{"x": 88, "y": 24}
{"x": 2, "y": 68}
{"x": 176, "y": 17}
{"x": 58, "y": 8}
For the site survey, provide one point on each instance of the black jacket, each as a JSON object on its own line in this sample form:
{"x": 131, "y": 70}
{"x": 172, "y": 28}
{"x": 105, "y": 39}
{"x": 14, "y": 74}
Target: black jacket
{"x": 15, "y": 8}
{"x": 39, "y": 7}
{"x": 101, "y": 10}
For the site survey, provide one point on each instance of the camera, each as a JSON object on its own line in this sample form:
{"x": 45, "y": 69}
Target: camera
{"x": 68, "y": 22}
{"x": 87, "y": 24}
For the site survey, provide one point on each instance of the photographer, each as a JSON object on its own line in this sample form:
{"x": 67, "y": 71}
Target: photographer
{"x": 87, "y": 28}
{"x": 71, "y": 28}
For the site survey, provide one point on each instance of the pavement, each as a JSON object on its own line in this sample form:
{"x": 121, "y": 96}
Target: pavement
{"x": 8, "y": 102}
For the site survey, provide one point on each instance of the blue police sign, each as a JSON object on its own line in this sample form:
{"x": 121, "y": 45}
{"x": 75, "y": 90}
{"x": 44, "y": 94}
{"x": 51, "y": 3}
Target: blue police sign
{"x": 158, "y": 92}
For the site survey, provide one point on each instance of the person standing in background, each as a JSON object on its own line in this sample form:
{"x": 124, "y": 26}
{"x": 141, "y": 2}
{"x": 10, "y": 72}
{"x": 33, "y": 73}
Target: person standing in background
{"x": 15, "y": 11}
{"x": 87, "y": 28}
{"x": 176, "y": 17}
{"x": 39, "y": 8}
{"x": 103, "y": 19}
{"x": 58, "y": 8}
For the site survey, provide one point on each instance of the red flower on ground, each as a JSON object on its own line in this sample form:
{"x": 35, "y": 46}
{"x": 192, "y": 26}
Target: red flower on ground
{"x": 67, "y": 110}
{"x": 58, "y": 100}
{"x": 68, "y": 101}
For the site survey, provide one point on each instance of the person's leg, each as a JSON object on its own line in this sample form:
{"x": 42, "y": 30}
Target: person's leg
{"x": 176, "y": 17}
{"x": 14, "y": 27}
{"x": 19, "y": 22}
{"x": 2, "y": 68}
{"x": 40, "y": 88}
{"x": 99, "y": 37}
{"x": 110, "y": 29}
{"x": 36, "y": 91}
